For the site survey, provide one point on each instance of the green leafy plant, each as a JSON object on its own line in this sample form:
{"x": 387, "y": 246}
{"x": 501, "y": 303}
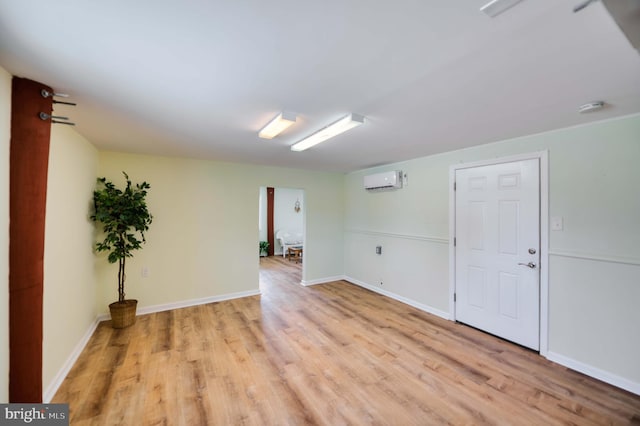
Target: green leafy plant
{"x": 125, "y": 218}
{"x": 264, "y": 247}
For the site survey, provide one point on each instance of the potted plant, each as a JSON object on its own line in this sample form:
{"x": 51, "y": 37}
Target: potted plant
{"x": 264, "y": 248}
{"x": 125, "y": 218}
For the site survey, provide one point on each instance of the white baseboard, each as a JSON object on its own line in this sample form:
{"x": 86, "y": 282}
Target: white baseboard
{"x": 51, "y": 390}
{"x": 422, "y": 307}
{"x": 594, "y": 372}
{"x": 325, "y": 280}
{"x": 194, "y": 302}
{"x": 186, "y": 303}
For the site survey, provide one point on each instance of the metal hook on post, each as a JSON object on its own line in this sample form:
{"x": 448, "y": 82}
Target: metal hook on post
{"x": 45, "y": 94}
{"x": 54, "y": 119}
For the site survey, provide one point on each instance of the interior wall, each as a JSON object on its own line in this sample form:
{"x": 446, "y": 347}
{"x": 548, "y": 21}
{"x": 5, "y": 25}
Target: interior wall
{"x": 5, "y": 137}
{"x": 69, "y": 277}
{"x": 284, "y": 216}
{"x": 594, "y": 262}
{"x": 202, "y": 242}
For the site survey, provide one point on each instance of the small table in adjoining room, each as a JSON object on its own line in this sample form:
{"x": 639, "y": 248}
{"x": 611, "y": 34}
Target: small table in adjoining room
{"x": 295, "y": 253}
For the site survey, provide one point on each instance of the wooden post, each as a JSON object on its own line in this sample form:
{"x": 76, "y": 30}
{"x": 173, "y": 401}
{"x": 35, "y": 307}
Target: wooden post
{"x": 29, "y": 162}
{"x": 270, "y": 231}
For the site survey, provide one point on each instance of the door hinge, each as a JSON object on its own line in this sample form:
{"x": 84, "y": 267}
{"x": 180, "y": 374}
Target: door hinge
{"x": 454, "y": 297}
{"x": 454, "y": 186}
{"x": 454, "y": 241}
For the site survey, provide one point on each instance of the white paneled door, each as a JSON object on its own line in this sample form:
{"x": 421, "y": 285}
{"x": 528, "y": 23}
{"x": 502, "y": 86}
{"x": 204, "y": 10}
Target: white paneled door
{"x": 497, "y": 250}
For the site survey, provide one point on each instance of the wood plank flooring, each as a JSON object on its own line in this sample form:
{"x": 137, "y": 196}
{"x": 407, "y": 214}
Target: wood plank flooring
{"x": 330, "y": 354}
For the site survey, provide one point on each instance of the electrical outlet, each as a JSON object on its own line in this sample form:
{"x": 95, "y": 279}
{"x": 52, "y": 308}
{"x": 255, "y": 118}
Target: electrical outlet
{"x": 145, "y": 271}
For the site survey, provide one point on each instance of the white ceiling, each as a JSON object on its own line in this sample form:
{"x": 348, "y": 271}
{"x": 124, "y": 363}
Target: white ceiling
{"x": 199, "y": 78}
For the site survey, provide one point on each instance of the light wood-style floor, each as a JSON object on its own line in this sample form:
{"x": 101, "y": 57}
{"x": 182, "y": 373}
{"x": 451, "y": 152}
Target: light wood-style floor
{"x": 330, "y": 354}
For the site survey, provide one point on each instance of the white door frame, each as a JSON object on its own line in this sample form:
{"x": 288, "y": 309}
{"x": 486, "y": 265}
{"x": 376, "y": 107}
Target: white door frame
{"x": 543, "y": 156}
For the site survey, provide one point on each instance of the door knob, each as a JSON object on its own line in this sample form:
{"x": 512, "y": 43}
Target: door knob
{"x": 530, "y": 264}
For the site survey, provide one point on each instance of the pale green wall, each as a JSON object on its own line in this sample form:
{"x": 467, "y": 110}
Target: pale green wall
{"x": 594, "y": 176}
{"x": 410, "y": 224}
{"x": 69, "y": 277}
{"x": 203, "y": 240}
{"x": 5, "y": 136}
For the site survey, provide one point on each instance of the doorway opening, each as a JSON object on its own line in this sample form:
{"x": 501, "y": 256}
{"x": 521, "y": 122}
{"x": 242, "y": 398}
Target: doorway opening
{"x": 281, "y": 224}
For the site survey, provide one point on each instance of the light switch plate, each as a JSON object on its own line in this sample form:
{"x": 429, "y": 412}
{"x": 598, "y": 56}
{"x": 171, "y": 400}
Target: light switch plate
{"x": 557, "y": 223}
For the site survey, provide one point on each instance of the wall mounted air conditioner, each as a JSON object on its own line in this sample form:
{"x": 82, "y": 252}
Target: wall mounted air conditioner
{"x": 385, "y": 180}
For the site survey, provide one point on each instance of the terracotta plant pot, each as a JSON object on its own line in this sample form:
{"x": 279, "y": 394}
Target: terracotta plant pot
{"x": 123, "y": 314}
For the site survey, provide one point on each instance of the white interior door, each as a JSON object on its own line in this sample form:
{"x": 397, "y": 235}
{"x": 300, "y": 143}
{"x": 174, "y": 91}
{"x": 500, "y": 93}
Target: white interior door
{"x": 497, "y": 250}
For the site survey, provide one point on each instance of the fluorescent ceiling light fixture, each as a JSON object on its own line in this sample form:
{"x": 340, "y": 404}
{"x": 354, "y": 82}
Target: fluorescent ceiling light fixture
{"x": 340, "y": 126}
{"x": 496, "y": 7}
{"x": 278, "y": 125}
